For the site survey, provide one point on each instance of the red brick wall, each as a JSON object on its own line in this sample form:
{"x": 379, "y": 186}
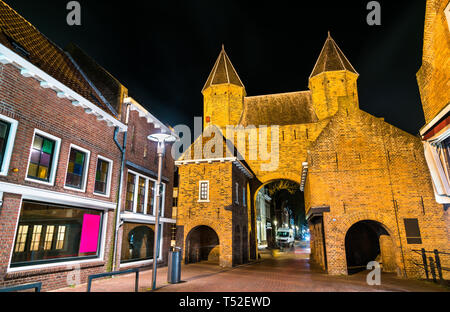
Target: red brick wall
{"x": 24, "y": 100}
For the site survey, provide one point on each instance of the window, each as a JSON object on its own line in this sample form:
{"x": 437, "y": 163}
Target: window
{"x": 77, "y": 168}
{"x": 151, "y": 197}
{"x": 412, "y": 231}
{"x": 137, "y": 242}
{"x": 141, "y": 194}
{"x": 51, "y": 233}
{"x": 103, "y": 176}
{"x": 237, "y": 193}
{"x": 244, "y": 201}
{"x": 4, "y": 134}
{"x": 43, "y": 158}
{"x": 8, "y": 128}
{"x": 204, "y": 191}
{"x": 130, "y": 192}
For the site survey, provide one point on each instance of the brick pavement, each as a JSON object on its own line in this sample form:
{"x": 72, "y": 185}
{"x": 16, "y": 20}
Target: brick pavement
{"x": 289, "y": 272}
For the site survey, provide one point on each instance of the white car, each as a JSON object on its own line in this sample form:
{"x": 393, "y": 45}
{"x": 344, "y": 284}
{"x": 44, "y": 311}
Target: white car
{"x": 285, "y": 237}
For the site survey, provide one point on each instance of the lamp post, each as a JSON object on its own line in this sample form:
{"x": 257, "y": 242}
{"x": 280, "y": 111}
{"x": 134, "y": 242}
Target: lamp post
{"x": 161, "y": 139}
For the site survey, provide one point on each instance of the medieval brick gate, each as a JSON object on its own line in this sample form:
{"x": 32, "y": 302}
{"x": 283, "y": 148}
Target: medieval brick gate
{"x": 359, "y": 174}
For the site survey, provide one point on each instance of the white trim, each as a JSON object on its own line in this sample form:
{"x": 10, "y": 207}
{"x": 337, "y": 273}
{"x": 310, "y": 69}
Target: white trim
{"x": 438, "y": 117}
{"x": 108, "y": 183}
{"x": 235, "y": 161}
{"x": 29, "y": 70}
{"x": 85, "y": 169}
{"x": 57, "y": 264}
{"x": 10, "y": 140}
{"x": 128, "y": 216}
{"x": 135, "y": 106}
{"x": 57, "y": 148}
{"x": 42, "y": 195}
{"x": 200, "y": 200}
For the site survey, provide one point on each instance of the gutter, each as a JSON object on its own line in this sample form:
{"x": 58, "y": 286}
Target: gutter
{"x": 119, "y": 199}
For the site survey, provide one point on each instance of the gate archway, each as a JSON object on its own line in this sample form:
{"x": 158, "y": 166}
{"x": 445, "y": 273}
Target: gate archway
{"x": 367, "y": 241}
{"x": 202, "y": 244}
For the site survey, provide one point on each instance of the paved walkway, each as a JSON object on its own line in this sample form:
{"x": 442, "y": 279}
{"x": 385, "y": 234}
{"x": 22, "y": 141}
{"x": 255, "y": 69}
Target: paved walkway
{"x": 290, "y": 272}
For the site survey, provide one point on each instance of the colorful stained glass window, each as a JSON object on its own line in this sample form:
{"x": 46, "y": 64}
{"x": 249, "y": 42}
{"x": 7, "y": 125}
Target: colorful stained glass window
{"x": 4, "y": 133}
{"x": 75, "y": 170}
{"x": 41, "y": 159}
{"x": 101, "y": 176}
{"x": 130, "y": 192}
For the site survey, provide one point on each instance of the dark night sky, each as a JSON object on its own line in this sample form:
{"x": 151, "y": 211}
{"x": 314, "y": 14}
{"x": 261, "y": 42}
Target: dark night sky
{"x": 163, "y": 51}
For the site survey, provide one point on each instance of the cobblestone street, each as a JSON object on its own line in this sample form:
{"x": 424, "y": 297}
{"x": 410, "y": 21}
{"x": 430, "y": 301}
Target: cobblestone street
{"x": 289, "y": 272}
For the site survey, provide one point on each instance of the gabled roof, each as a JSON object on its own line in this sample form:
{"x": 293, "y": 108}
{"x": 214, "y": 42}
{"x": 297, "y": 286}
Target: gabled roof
{"x": 331, "y": 58}
{"x": 21, "y": 37}
{"x": 278, "y": 109}
{"x": 223, "y": 72}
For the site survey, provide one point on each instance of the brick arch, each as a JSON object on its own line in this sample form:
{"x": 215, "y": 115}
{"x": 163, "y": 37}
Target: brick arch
{"x": 272, "y": 177}
{"x": 192, "y": 229}
{"x": 336, "y": 253}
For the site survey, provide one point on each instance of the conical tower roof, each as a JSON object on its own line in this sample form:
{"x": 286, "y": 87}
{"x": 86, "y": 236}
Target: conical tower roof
{"x": 223, "y": 72}
{"x": 331, "y": 58}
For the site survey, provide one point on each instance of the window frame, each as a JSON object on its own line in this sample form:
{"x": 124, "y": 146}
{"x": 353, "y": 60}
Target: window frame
{"x": 147, "y": 179}
{"x": 66, "y": 261}
{"x": 13, "y": 125}
{"x": 54, "y": 166}
{"x": 200, "y": 200}
{"x": 85, "y": 169}
{"x": 244, "y": 196}
{"x": 236, "y": 201}
{"x": 108, "y": 182}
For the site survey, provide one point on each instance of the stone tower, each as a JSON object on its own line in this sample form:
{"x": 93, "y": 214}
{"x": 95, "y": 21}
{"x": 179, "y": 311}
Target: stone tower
{"x": 333, "y": 81}
{"x": 223, "y": 94}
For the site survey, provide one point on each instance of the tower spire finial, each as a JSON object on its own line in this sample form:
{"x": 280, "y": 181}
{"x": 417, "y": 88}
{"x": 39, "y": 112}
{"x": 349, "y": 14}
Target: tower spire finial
{"x": 329, "y": 35}
{"x": 223, "y": 47}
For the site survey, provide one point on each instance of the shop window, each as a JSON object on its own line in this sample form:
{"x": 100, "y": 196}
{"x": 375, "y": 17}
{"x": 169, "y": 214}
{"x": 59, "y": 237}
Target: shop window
{"x": 77, "y": 168}
{"x": 51, "y": 233}
{"x": 412, "y": 231}
{"x": 137, "y": 242}
{"x": 103, "y": 176}
{"x": 43, "y": 158}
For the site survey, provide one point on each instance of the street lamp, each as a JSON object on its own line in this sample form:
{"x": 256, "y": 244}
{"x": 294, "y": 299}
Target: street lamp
{"x": 161, "y": 139}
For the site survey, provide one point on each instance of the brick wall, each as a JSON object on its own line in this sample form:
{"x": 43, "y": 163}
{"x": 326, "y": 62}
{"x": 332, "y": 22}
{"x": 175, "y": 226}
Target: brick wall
{"x": 366, "y": 169}
{"x": 433, "y": 76}
{"x": 33, "y": 107}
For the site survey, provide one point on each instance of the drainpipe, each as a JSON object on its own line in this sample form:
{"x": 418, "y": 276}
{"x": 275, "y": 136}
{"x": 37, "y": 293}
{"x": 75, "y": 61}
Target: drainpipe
{"x": 119, "y": 200}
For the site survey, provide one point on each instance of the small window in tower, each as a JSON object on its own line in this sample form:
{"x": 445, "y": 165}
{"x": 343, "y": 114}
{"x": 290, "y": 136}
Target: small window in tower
{"x": 203, "y": 191}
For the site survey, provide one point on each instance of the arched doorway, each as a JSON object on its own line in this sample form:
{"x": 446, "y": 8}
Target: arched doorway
{"x": 368, "y": 241}
{"x": 202, "y": 244}
{"x": 280, "y": 206}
